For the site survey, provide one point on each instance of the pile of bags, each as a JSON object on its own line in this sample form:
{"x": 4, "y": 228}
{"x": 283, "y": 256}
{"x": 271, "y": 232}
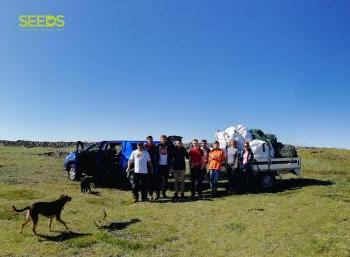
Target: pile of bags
{"x": 264, "y": 146}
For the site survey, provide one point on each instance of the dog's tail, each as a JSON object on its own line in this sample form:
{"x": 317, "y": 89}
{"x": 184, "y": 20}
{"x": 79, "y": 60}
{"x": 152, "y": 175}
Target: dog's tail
{"x": 17, "y": 210}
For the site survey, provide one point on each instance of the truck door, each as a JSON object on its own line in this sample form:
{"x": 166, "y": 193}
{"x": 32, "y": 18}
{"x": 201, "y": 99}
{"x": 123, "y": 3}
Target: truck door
{"x": 113, "y": 154}
{"x": 88, "y": 159}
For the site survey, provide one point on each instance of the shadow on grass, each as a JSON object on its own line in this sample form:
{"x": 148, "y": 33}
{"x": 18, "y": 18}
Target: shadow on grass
{"x": 63, "y": 236}
{"x": 112, "y": 226}
{"x": 96, "y": 193}
{"x": 298, "y": 183}
{"x": 280, "y": 186}
{"x": 204, "y": 197}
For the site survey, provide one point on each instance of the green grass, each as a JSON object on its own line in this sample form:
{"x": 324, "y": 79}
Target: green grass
{"x": 306, "y": 216}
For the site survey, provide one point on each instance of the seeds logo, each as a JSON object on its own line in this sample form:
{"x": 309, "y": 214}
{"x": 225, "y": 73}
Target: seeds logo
{"x": 41, "y": 22}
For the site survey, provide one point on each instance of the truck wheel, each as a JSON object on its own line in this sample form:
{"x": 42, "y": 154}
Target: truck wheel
{"x": 267, "y": 181}
{"x": 72, "y": 172}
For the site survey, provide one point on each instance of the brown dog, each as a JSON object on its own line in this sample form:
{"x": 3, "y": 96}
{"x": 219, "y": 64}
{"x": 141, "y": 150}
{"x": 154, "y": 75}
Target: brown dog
{"x": 48, "y": 209}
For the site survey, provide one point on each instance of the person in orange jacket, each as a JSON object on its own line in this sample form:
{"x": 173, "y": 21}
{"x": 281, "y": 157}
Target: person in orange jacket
{"x": 216, "y": 158}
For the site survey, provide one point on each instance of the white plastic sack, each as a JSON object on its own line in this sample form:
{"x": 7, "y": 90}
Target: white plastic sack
{"x": 261, "y": 149}
{"x": 230, "y": 131}
{"x": 244, "y": 132}
{"x": 222, "y": 137}
{"x": 239, "y": 133}
{"x": 239, "y": 139}
{"x": 241, "y": 130}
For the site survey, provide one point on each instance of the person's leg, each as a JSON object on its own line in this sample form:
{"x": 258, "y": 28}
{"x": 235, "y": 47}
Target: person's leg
{"x": 245, "y": 178}
{"x": 158, "y": 180}
{"x": 251, "y": 179}
{"x": 143, "y": 186}
{"x": 161, "y": 177}
{"x": 239, "y": 185}
{"x": 201, "y": 174}
{"x": 229, "y": 178}
{"x": 212, "y": 181}
{"x": 193, "y": 182}
{"x": 235, "y": 179}
{"x": 165, "y": 181}
{"x": 176, "y": 182}
{"x": 150, "y": 185}
{"x": 162, "y": 171}
{"x": 134, "y": 181}
{"x": 216, "y": 179}
{"x": 182, "y": 182}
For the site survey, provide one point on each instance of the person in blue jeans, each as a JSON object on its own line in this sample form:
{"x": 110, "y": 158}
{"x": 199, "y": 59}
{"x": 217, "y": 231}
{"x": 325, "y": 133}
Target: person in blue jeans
{"x": 216, "y": 158}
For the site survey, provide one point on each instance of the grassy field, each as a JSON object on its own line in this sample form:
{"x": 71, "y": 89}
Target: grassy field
{"x": 306, "y": 216}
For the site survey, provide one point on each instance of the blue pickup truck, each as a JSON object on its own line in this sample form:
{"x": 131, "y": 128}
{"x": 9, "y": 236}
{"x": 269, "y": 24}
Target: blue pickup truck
{"x": 106, "y": 159}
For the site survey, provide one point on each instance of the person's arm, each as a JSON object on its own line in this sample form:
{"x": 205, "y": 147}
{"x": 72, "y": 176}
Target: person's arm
{"x": 149, "y": 161}
{"x": 186, "y": 153}
{"x": 252, "y": 156}
{"x": 209, "y": 157}
{"x": 223, "y": 156}
{"x": 150, "y": 167}
{"x": 202, "y": 159}
{"x": 131, "y": 160}
{"x": 171, "y": 163}
{"x": 189, "y": 158}
{"x": 236, "y": 160}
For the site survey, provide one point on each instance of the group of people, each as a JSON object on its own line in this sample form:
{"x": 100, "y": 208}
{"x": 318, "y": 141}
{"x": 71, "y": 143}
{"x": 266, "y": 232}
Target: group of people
{"x": 152, "y": 164}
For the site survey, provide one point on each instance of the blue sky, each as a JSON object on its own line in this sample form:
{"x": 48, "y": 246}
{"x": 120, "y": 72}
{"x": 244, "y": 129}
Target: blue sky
{"x": 127, "y": 69}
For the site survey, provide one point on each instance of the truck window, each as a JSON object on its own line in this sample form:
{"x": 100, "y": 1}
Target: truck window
{"x": 93, "y": 148}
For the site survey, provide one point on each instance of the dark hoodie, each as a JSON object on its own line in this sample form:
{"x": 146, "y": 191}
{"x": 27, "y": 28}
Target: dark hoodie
{"x": 179, "y": 156}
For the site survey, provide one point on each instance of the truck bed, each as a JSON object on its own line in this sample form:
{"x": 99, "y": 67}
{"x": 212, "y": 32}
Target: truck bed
{"x": 279, "y": 165}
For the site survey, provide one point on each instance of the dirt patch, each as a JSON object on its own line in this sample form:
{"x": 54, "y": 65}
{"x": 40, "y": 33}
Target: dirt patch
{"x": 8, "y": 214}
{"x": 19, "y": 194}
{"x": 56, "y": 154}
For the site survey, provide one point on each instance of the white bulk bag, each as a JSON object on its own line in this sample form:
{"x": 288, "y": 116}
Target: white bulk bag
{"x": 261, "y": 149}
{"x": 244, "y": 132}
{"x": 230, "y": 131}
{"x": 222, "y": 137}
{"x": 239, "y": 139}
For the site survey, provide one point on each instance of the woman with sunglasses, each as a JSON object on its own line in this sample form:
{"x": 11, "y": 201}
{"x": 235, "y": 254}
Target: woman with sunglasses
{"x": 247, "y": 164}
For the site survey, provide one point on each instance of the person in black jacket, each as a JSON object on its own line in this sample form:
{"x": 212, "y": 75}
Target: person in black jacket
{"x": 154, "y": 177}
{"x": 165, "y": 153}
{"x": 247, "y": 159}
{"x": 179, "y": 168}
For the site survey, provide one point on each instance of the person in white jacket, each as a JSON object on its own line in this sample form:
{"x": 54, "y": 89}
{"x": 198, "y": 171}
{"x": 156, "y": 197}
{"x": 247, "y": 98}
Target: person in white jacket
{"x": 139, "y": 177}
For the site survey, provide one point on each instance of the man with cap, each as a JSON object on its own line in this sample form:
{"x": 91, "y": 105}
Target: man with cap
{"x": 139, "y": 176}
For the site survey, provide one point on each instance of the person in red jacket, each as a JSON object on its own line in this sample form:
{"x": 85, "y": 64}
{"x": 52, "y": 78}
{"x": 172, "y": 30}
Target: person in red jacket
{"x": 196, "y": 168}
{"x": 216, "y": 158}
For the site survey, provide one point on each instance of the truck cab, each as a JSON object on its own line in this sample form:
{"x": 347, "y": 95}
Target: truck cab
{"x": 105, "y": 159}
